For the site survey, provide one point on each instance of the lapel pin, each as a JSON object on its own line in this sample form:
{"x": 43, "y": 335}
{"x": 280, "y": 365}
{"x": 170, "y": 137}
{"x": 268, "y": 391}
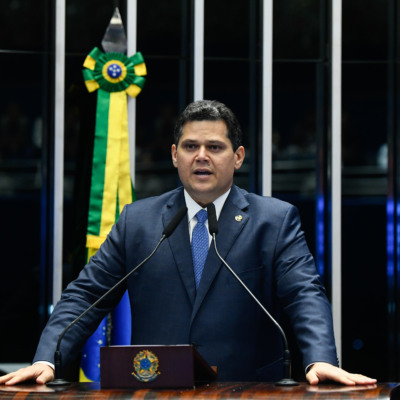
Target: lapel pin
{"x": 238, "y": 218}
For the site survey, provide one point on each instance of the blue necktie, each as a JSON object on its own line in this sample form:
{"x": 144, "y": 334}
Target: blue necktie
{"x": 199, "y": 245}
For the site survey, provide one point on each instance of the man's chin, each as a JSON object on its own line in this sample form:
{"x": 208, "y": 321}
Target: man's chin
{"x": 202, "y": 196}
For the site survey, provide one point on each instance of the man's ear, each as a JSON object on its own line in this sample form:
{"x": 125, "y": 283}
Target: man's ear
{"x": 173, "y": 155}
{"x": 239, "y": 157}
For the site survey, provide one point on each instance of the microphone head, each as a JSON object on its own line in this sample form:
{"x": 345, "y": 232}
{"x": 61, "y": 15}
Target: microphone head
{"x": 212, "y": 219}
{"x": 169, "y": 229}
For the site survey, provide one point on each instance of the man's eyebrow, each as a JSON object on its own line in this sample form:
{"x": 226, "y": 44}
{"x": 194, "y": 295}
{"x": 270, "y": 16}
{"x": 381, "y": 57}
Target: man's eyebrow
{"x": 190, "y": 141}
{"x": 215, "y": 141}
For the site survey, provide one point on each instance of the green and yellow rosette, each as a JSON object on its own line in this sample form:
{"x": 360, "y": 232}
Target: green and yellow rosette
{"x": 114, "y": 72}
{"x": 114, "y": 76}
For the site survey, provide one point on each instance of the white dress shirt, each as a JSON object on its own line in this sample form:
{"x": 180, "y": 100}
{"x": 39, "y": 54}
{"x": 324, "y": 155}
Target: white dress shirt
{"x": 194, "y": 208}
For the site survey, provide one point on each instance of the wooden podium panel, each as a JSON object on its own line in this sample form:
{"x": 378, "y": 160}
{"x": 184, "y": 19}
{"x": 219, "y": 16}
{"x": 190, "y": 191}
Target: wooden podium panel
{"x": 213, "y": 391}
{"x": 153, "y": 366}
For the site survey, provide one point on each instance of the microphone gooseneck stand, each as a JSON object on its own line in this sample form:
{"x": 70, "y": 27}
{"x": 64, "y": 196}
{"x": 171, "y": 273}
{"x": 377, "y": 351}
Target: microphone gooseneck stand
{"x": 286, "y": 380}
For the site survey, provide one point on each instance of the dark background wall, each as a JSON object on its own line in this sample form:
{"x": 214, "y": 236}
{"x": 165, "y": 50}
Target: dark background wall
{"x": 301, "y": 152}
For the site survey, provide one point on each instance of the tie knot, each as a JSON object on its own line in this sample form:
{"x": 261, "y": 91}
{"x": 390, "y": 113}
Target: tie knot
{"x": 201, "y": 216}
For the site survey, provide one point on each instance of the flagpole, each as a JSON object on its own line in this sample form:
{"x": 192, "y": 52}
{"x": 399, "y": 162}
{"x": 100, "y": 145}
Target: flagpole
{"x": 267, "y": 98}
{"x": 58, "y": 151}
{"x": 336, "y": 168}
{"x": 131, "y": 22}
{"x": 198, "y": 78}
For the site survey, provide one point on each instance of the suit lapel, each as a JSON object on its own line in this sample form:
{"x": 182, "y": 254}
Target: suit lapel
{"x": 180, "y": 245}
{"x": 232, "y": 220}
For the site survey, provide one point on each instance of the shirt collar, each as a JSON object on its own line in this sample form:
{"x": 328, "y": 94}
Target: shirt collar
{"x": 194, "y": 207}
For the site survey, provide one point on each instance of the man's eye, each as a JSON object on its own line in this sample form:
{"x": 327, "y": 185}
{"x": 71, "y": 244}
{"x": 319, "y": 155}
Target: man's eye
{"x": 215, "y": 148}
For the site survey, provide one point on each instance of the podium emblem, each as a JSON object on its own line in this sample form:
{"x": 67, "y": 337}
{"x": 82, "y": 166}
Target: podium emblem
{"x": 146, "y": 365}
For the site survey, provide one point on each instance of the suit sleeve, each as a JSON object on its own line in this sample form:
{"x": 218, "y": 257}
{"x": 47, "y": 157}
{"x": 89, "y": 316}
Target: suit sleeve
{"x": 103, "y": 270}
{"x": 302, "y": 294}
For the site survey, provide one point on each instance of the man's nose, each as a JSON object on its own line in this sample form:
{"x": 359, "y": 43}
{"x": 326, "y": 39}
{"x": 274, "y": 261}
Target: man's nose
{"x": 202, "y": 153}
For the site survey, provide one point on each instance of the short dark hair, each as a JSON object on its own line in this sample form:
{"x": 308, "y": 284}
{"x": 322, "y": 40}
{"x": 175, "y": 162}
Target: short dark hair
{"x": 210, "y": 110}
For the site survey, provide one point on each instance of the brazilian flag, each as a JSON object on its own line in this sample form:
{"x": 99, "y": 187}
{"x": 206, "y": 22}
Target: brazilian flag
{"x": 114, "y": 76}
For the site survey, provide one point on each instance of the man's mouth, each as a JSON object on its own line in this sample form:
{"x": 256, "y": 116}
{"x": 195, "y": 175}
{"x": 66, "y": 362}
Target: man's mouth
{"x": 202, "y": 172}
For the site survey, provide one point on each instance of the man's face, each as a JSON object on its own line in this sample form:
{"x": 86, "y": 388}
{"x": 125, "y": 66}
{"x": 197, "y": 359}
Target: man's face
{"x": 205, "y": 160}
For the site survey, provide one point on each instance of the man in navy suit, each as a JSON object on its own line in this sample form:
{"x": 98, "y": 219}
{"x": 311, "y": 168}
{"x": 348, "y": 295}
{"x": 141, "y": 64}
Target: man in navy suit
{"x": 259, "y": 237}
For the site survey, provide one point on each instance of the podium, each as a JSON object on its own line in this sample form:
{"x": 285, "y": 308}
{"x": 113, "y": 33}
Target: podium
{"x": 153, "y": 366}
{"x": 212, "y": 391}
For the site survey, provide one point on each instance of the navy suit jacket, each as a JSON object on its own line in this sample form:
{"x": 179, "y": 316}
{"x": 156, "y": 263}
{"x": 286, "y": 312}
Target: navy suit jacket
{"x": 265, "y": 246}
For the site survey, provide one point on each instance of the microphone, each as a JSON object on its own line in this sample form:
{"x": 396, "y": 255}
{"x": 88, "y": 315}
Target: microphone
{"x": 213, "y": 229}
{"x": 169, "y": 229}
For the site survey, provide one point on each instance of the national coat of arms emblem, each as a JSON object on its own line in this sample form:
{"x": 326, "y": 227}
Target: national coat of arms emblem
{"x": 146, "y": 365}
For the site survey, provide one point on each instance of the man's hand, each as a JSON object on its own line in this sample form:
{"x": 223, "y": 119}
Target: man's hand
{"x": 41, "y": 373}
{"x": 322, "y": 371}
